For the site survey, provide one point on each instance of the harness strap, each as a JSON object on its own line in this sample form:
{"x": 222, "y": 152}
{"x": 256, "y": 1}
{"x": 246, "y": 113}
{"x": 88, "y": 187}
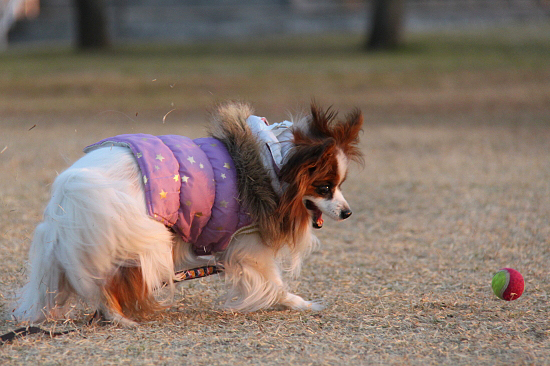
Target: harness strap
{"x": 22, "y": 332}
{"x": 188, "y": 274}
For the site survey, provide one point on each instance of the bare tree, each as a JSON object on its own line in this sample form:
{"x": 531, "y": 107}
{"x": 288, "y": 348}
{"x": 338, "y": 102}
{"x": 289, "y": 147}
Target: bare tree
{"x": 92, "y": 25}
{"x": 387, "y": 24}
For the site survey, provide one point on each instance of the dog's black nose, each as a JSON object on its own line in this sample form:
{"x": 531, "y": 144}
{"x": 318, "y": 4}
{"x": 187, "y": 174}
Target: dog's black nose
{"x": 345, "y": 214}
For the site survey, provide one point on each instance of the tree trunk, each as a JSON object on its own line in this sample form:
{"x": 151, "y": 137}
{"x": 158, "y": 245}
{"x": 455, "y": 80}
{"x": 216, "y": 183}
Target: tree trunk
{"x": 91, "y": 20}
{"x": 387, "y": 24}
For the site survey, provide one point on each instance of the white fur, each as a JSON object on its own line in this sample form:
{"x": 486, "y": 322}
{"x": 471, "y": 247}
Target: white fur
{"x": 254, "y": 277}
{"x": 331, "y": 207}
{"x": 97, "y": 221}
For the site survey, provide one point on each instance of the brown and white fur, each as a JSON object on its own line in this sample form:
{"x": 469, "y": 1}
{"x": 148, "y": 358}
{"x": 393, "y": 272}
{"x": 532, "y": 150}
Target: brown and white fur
{"x": 98, "y": 242}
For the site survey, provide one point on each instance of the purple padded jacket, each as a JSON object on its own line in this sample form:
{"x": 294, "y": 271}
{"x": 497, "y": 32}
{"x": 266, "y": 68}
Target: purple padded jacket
{"x": 190, "y": 186}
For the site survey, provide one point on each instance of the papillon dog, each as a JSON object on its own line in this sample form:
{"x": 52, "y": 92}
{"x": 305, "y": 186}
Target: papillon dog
{"x": 137, "y": 208}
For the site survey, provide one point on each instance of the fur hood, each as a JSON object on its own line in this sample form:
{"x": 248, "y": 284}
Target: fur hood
{"x": 229, "y": 125}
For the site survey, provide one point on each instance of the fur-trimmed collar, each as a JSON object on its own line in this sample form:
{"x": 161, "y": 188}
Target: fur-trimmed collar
{"x": 229, "y": 125}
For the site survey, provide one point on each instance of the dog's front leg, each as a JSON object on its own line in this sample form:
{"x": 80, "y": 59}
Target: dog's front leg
{"x": 254, "y": 278}
{"x": 298, "y": 303}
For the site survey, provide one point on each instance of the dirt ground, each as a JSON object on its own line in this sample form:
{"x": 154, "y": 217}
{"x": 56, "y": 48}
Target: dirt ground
{"x": 438, "y": 208}
{"x": 455, "y": 185}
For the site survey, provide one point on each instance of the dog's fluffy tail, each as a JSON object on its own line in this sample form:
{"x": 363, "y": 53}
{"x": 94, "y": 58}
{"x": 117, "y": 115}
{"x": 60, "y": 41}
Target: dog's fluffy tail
{"x": 95, "y": 223}
{"x": 46, "y": 280}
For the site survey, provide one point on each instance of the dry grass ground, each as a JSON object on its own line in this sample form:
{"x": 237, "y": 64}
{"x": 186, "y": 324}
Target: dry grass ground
{"x": 456, "y": 185}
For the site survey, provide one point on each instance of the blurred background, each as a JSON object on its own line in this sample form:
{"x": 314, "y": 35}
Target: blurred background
{"x": 395, "y": 59}
{"x": 99, "y": 23}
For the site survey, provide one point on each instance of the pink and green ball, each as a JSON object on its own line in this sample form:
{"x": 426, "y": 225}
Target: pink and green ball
{"x": 508, "y": 284}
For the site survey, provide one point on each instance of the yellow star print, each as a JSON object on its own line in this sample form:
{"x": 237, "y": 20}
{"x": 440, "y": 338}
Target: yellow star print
{"x": 163, "y": 194}
{"x": 160, "y": 157}
{"x": 223, "y": 176}
{"x": 176, "y": 178}
{"x": 224, "y": 203}
{"x": 226, "y": 165}
{"x": 191, "y": 160}
{"x": 185, "y": 178}
{"x": 145, "y": 179}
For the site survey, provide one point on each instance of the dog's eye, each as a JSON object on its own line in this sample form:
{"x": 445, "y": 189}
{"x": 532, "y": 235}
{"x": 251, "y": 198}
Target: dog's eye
{"x": 323, "y": 190}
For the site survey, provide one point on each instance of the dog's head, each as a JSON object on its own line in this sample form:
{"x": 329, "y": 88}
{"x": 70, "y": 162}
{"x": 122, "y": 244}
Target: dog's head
{"x": 318, "y": 165}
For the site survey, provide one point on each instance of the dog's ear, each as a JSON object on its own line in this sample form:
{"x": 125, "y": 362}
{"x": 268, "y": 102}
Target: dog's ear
{"x": 320, "y": 123}
{"x": 345, "y": 132}
{"x": 306, "y": 158}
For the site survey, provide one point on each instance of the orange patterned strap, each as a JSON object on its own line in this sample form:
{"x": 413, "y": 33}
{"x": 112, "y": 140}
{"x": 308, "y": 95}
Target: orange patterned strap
{"x": 190, "y": 274}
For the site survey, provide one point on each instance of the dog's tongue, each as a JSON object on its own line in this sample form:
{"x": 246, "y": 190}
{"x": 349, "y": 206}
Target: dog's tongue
{"x": 318, "y": 219}
{"x": 317, "y": 216}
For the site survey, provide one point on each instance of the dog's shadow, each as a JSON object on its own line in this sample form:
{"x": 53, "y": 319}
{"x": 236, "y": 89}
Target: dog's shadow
{"x": 181, "y": 313}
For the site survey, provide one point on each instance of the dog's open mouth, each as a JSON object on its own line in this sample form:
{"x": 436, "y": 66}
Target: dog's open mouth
{"x": 317, "y": 215}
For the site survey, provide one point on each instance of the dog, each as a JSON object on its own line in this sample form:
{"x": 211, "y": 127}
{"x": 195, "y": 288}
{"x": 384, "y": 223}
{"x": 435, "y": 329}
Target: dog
{"x": 136, "y": 208}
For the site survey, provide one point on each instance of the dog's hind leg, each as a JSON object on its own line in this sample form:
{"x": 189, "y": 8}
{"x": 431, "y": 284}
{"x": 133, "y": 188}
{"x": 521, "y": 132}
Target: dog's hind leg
{"x": 95, "y": 223}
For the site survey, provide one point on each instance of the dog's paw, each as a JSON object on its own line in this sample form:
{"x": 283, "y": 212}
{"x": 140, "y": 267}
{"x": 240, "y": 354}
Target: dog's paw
{"x": 314, "y": 306}
{"x": 309, "y": 306}
{"x": 104, "y": 317}
{"x": 298, "y": 303}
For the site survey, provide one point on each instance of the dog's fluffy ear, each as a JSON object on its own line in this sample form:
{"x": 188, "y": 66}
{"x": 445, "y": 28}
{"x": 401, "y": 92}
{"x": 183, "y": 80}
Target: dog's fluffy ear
{"x": 346, "y": 134}
{"x": 323, "y": 124}
{"x": 306, "y": 157}
{"x": 321, "y": 121}
{"x": 304, "y": 165}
